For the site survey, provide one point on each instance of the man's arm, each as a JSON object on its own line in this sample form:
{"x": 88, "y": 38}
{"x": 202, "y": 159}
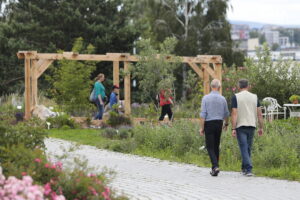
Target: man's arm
{"x": 202, "y": 120}
{"x": 226, "y": 115}
{"x": 203, "y": 115}
{"x": 225, "y": 126}
{"x": 233, "y": 121}
{"x": 260, "y": 121}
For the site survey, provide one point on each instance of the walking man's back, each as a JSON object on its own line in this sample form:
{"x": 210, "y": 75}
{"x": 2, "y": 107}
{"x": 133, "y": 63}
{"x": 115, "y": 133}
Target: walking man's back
{"x": 245, "y": 112}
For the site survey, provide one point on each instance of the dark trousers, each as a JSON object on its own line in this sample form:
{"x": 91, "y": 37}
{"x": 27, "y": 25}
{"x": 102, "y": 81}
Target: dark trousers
{"x": 213, "y": 130}
{"x": 166, "y": 109}
{"x": 100, "y": 108}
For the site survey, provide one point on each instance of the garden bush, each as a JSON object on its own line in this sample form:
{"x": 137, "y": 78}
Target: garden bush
{"x": 75, "y": 183}
{"x": 62, "y": 121}
{"x": 109, "y": 133}
{"x": 22, "y": 133}
{"x": 122, "y": 132}
{"x": 115, "y": 119}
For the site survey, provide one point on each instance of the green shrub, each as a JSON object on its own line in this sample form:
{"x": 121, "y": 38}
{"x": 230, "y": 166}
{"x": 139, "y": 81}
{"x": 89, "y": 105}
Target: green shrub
{"x": 121, "y": 133}
{"x": 22, "y": 133}
{"x": 125, "y": 147}
{"x": 109, "y": 133}
{"x": 115, "y": 119}
{"x": 62, "y": 121}
{"x": 19, "y": 160}
{"x": 71, "y": 81}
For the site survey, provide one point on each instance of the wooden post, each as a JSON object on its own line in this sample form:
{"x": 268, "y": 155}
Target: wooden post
{"x": 34, "y": 79}
{"x": 218, "y": 72}
{"x": 27, "y": 89}
{"x": 116, "y": 73}
{"x": 206, "y": 84}
{"x": 127, "y": 89}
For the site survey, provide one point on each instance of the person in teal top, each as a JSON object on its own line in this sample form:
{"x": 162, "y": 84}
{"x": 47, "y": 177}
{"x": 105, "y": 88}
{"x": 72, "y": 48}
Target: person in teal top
{"x": 100, "y": 95}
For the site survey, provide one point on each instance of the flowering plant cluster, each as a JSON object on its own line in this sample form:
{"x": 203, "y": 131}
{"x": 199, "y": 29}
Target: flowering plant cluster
{"x": 23, "y": 189}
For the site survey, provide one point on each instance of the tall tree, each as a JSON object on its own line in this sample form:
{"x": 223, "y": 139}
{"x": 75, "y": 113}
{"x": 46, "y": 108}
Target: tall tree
{"x": 216, "y": 37}
{"x": 200, "y": 27}
{"x": 47, "y": 26}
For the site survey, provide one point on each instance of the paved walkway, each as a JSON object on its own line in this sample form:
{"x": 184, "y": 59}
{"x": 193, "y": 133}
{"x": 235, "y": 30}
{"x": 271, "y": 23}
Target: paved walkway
{"x": 148, "y": 178}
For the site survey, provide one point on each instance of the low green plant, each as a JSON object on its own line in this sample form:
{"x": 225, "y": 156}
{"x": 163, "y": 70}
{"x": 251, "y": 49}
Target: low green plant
{"x": 109, "y": 133}
{"x": 115, "y": 119}
{"x": 124, "y": 132}
{"x": 20, "y": 161}
{"x": 61, "y": 121}
{"x": 265, "y": 103}
{"x": 22, "y": 133}
{"x": 294, "y": 97}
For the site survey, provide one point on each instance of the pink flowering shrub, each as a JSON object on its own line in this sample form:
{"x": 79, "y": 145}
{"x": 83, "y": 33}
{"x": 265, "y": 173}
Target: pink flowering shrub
{"x": 78, "y": 185}
{"x": 56, "y": 182}
{"x": 23, "y": 189}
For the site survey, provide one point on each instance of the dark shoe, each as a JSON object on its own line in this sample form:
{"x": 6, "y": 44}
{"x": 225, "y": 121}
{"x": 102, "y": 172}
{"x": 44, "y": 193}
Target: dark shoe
{"x": 249, "y": 174}
{"x": 215, "y": 171}
{"x": 243, "y": 171}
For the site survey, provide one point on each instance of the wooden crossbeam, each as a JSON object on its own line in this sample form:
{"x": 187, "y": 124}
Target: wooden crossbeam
{"x": 197, "y": 69}
{"x": 112, "y": 57}
{"x": 209, "y": 70}
{"x": 42, "y": 67}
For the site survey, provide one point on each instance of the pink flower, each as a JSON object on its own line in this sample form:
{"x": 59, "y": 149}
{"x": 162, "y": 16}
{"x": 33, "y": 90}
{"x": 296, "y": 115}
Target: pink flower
{"x": 58, "y": 165}
{"x": 94, "y": 192}
{"x": 107, "y": 190}
{"x": 92, "y": 175}
{"x": 233, "y": 89}
{"x": 47, "y": 189}
{"x": 24, "y": 173}
{"x": 53, "y": 166}
{"x": 47, "y": 165}
{"x": 37, "y": 160}
{"x": 105, "y": 195}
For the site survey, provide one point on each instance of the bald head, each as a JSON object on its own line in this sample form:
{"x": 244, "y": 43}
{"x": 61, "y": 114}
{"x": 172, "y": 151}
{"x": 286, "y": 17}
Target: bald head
{"x": 215, "y": 84}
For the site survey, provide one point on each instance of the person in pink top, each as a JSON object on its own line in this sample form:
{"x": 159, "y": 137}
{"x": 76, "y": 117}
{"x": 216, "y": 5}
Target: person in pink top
{"x": 165, "y": 101}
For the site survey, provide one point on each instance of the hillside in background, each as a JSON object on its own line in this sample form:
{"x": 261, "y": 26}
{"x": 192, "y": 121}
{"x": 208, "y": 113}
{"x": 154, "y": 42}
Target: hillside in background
{"x": 260, "y": 24}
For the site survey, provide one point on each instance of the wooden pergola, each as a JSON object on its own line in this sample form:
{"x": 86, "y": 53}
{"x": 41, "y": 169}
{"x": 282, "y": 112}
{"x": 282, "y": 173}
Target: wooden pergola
{"x": 36, "y": 64}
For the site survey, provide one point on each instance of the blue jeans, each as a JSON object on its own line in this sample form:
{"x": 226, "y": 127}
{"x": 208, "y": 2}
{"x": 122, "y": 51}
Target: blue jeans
{"x": 100, "y": 108}
{"x": 245, "y": 140}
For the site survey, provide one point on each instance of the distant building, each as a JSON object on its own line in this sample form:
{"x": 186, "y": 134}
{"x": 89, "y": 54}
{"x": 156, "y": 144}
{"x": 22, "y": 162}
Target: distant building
{"x": 239, "y": 31}
{"x": 284, "y": 42}
{"x": 252, "y": 44}
{"x": 272, "y": 37}
{"x": 276, "y": 55}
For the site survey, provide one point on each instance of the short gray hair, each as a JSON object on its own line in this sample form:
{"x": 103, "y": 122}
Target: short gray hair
{"x": 243, "y": 83}
{"x": 215, "y": 83}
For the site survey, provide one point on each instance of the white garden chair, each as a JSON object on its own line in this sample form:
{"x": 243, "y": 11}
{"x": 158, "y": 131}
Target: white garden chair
{"x": 274, "y": 109}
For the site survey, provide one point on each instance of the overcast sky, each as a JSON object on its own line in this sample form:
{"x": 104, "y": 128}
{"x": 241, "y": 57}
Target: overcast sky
{"x": 281, "y": 12}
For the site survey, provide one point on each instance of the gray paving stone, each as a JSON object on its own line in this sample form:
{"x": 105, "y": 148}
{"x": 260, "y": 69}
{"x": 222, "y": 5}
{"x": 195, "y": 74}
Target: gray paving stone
{"x": 148, "y": 178}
